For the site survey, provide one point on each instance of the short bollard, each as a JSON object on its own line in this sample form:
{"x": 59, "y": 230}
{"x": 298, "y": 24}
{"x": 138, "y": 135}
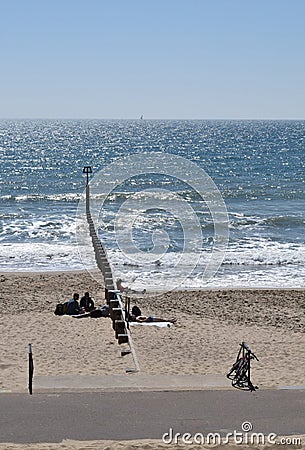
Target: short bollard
{"x": 109, "y": 294}
{"x": 122, "y": 339}
{"x": 119, "y": 326}
{"x": 116, "y": 314}
{"x": 114, "y": 304}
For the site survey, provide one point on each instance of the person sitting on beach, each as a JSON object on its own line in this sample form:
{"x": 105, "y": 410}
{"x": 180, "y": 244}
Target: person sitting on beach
{"x": 120, "y": 286}
{"x": 126, "y": 289}
{"x": 73, "y": 306}
{"x": 86, "y": 302}
{"x": 136, "y": 311}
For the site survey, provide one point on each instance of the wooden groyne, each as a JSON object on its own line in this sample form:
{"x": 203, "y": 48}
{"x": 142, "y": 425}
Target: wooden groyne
{"x": 113, "y": 297}
{"x": 99, "y": 251}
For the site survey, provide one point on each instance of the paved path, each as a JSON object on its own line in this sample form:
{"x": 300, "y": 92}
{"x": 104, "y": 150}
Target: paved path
{"x": 52, "y": 417}
{"x": 132, "y": 382}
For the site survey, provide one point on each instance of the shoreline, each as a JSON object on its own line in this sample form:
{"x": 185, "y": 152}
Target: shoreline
{"x": 12, "y": 274}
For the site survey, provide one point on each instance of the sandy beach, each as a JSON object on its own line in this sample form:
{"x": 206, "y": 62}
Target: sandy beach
{"x": 205, "y": 340}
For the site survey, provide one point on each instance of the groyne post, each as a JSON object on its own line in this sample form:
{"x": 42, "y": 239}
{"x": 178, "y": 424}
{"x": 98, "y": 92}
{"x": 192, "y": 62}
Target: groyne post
{"x": 87, "y": 170}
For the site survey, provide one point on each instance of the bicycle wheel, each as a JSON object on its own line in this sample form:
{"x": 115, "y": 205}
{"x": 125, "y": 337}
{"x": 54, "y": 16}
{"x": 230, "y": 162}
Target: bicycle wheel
{"x": 235, "y": 368}
{"x": 241, "y": 381}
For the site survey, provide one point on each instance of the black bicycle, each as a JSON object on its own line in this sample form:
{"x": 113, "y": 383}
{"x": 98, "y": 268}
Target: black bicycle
{"x": 241, "y": 370}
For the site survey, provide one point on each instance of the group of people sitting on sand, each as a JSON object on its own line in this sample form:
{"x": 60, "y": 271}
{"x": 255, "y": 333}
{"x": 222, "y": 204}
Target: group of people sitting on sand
{"x": 86, "y": 304}
{"x": 83, "y": 308}
{"x": 86, "y": 308}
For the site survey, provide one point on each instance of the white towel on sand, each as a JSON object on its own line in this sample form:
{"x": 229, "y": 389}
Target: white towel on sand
{"x": 155, "y": 324}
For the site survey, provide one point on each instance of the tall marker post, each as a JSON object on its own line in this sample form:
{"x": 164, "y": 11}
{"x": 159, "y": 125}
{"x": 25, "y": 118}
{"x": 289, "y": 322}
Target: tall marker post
{"x": 87, "y": 170}
{"x": 31, "y": 369}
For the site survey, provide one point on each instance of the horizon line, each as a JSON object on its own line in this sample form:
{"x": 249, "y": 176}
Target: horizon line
{"x": 156, "y": 119}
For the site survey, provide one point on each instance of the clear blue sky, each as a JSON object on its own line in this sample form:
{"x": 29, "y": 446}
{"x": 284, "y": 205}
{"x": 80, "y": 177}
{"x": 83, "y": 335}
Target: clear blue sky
{"x": 199, "y": 59}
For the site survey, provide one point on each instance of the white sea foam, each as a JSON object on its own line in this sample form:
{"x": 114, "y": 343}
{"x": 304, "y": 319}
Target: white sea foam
{"x": 69, "y": 197}
{"x": 35, "y": 257}
{"x": 263, "y": 252}
{"x": 261, "y": 264}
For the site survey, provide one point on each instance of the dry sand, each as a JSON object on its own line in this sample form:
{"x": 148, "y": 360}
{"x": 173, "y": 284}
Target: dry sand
{"x": 205, "y": 340}
{"x": 148, "y": 445}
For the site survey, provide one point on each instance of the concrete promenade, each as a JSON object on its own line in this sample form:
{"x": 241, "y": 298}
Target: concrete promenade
{"x": 52, "y": 415}
{"x": 130, "y": 382}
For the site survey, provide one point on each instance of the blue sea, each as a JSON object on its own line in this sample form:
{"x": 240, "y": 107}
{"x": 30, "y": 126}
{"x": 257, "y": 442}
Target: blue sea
{"x": 258, "y": 168}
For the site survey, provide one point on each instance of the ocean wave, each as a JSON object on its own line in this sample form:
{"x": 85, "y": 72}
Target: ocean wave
{"x": 238, "y": 221}
{"x": 285, "y": 221}
{"x": 40, "y": 229}
{"x": 252, "y": 253}
{"x": 252, "y": 263}
{"x": 241, "y": 268}
{"x": 262, "y": 252}
{"x": 39, "y": 257}
{"x": 63, "y": 197}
